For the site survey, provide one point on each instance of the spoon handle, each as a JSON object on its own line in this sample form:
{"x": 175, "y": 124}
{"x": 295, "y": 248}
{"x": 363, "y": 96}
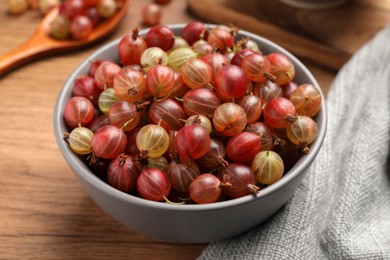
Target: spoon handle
{"x": 34, "y": 48}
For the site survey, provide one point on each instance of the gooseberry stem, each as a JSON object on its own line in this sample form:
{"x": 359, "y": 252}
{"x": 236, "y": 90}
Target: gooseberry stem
{"x": 253, "y": 188}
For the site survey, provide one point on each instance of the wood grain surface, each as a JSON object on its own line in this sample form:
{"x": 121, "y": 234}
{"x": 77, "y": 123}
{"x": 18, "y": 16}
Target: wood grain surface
{"x": 44, "y": 213}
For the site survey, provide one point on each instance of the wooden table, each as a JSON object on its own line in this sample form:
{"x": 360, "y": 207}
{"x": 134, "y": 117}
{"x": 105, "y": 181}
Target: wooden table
{"x": 44, "y": 213}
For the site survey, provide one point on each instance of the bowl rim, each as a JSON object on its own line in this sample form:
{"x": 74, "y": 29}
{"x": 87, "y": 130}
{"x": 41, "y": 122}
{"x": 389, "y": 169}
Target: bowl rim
{"x": 82, "y": 170}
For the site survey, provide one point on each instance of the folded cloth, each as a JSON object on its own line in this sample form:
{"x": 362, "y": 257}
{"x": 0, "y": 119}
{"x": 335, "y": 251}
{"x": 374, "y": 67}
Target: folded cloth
{"x": 341, "y": 210}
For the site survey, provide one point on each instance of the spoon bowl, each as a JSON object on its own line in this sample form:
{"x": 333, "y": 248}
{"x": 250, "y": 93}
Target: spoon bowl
{"x": 41, "y": 44}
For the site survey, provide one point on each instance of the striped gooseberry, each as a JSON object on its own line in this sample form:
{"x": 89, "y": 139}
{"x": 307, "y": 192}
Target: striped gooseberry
{"x": 130, "y": 48}
{"x": 281, "y": 67}
{"x": 196, "y": 73}
{"x": 229, "y": 119}
{"x": 268, "y": 167}
{"x": 252, "y": 106}
{"x": 302, "y": 131}
{"x": 108, "y": 142}
{"x": 279, "y": 112}
{"x": 123, "y": 172}
{"x": 268, "y": 138}
{"x": 182, "y": 174}
{"x": 230, "y": 81}
{"x": 206, "y": 188}
{"x": 267, "y": 90}
{"x": 78, "y": 111}
{"x": 307, "y": 100}
{"x": 105, "y": 74}
{"x": 130, "y": 84}
{"x": 215, "y": 156}
{"x": 200, "y": 101}
{"x": 256, "y": 67}
{"x": 153, "y": 56}
{"x": 124, "y": 114}
{"x": 154, "y": 184}
{"x": 159, "y": 81}
{"x": 160, "y": 36}
{"x": 153, "y": 140}
{"x": 80, "y": 139}
{"x": 168, "y": 113}
{"x": 244, "y": 141}
{"x": 241, "y": 178}
{"x": 192, "y": 142}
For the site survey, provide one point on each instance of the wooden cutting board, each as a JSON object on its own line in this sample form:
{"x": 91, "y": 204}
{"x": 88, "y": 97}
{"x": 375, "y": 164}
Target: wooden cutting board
{"x": 327, "y": 37}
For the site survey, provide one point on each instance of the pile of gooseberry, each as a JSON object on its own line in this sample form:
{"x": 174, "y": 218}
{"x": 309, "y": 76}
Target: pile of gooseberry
{"x": 77, "y": 18}
{"x": 199, "y": 117}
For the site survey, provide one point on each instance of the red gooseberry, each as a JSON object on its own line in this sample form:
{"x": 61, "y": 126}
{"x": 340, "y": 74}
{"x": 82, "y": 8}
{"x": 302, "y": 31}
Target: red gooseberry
{"x": 153, "y": 184}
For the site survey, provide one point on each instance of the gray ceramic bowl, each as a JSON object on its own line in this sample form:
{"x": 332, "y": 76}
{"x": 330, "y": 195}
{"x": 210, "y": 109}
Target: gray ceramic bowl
{"x": 187, "y": 223}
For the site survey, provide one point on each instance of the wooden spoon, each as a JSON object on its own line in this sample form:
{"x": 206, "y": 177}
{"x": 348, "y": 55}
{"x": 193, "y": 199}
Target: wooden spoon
{"x": 41, "y": 44}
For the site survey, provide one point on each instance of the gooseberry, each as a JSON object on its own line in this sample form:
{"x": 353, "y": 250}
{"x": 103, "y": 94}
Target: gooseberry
{"x": 307, "y": 100}
{"x": 182, "y": 174}
{"x": 153, "y": 140}
{"x": 160, "y": 36}
{"x": 123, "y": 172}
{"x": 241, "y": 178}
{"x": 131, "y": 47}
{"x": 229, "y": 119}
{"x": 279, "y": 112}
{"x": 129, "y": 84}
{"x": 192, "y": 142}
{"x": 200, "y": 101}
{"x": 108, "y": 142}
{"x": 168, "y": 113}
{"x": 231, "y": 82}
{"x": 196, "y": 73}
{"x": 268, "y": 167}
{"x": 153, "y": 184}
{"x": 206, "y": 188}
{"x": 303, "y": 131}
{"x": 78, "y": 111}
